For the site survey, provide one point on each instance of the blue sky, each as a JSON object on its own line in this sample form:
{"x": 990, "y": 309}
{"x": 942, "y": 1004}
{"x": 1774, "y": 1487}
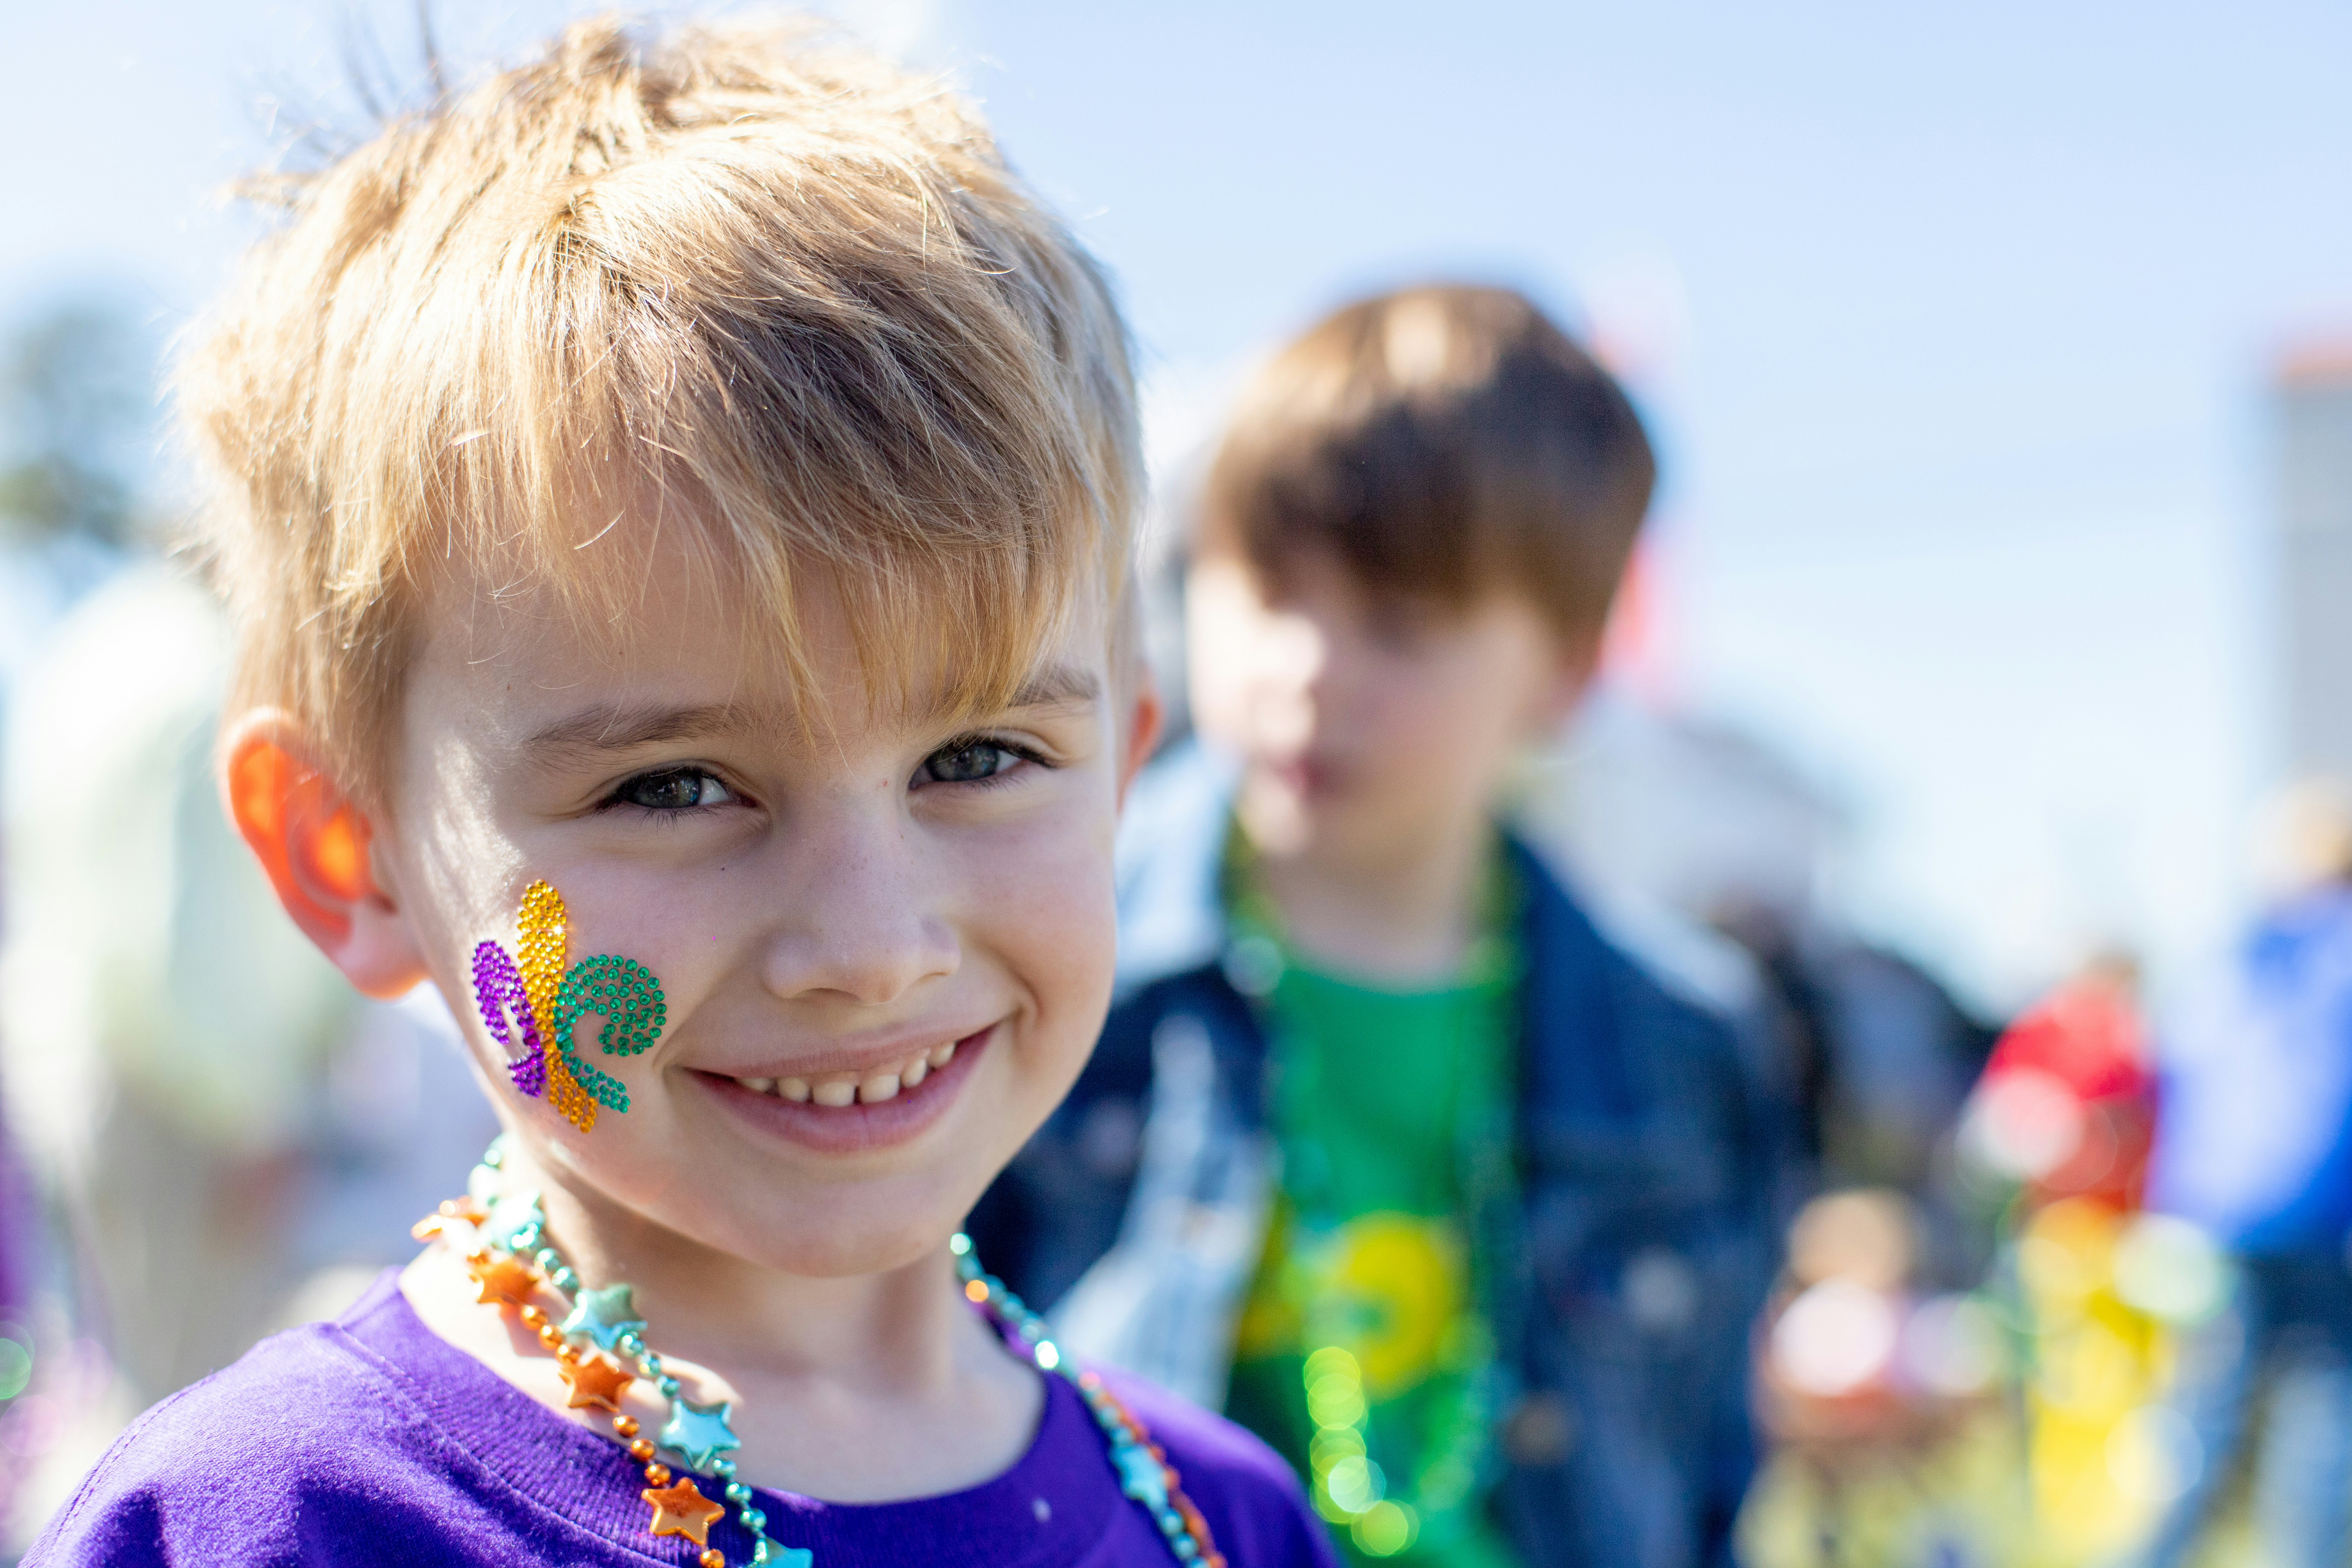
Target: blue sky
{"x": 1953, "y": 322}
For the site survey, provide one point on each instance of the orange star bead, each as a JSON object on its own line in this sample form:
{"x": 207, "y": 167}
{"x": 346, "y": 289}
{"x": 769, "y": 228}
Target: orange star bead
{"x": 436, "y": 1222}
{"x": 506, "y": 1279}
{"x": 596, "y": 1383}
{"x": 682, "y": 1510}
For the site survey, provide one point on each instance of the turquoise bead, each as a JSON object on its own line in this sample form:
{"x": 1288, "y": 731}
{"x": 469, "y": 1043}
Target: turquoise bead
{"x": 1140, "y": 1476}
{"x": 698, "y": 1431}
{"x": 510, "y": 1217}
{"x": 603, "y": 1316}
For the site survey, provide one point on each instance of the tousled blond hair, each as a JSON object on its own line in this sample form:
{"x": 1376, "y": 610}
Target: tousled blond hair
{"x": 732, "y": 289}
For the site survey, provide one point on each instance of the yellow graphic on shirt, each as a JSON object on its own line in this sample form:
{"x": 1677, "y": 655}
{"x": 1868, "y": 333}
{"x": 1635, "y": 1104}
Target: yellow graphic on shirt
{"x": 1389, "y": 1288}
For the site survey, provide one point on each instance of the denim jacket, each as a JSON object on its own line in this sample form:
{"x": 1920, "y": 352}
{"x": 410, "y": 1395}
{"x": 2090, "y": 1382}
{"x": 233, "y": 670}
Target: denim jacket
{"x": 1629, "y": 1269}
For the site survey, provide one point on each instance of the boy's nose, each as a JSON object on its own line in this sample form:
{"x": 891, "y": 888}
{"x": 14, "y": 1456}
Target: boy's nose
{"x": 863, "y": 923}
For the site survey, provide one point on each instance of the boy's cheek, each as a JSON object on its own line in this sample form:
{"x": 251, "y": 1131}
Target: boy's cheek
{"x": 1046, "y": 908}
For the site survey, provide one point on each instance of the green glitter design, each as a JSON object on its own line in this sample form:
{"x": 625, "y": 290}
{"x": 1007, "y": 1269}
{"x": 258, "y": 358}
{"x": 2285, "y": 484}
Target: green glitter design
{"x": 624, "y": 992}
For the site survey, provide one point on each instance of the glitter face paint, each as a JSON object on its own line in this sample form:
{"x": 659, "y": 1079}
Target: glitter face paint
{"x": 530, "y": 1008}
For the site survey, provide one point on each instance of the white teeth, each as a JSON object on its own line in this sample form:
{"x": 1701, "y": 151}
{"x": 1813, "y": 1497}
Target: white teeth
{"x": 836, "y": 1092}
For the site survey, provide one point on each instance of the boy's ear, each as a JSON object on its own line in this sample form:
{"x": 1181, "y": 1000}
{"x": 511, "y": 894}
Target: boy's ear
{"x": 313, "y": 844}
{"x": 1140, "y": 735}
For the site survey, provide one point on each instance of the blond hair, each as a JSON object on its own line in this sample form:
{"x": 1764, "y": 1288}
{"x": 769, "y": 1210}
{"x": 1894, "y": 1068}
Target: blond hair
{"x": 1442, "y": 442}
{"x": 730, "y": 287}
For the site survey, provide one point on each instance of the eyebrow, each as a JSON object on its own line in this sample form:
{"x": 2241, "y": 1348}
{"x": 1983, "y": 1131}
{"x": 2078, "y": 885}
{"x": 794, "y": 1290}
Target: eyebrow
{"x": 1058, "y": 686}
{"x": 608, "y": 727}
{"x": 622, "y": 726}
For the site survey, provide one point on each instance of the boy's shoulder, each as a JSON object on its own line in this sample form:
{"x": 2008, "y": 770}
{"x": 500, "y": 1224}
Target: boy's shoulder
{"x": 313, "y": 1446}
{"x": 222, "y": 1470}
{"x": 1252, "y": 1498}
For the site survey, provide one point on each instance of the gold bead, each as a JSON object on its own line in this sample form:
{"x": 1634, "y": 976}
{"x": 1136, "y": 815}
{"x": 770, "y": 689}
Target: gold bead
{"x": 656, "y": 1475}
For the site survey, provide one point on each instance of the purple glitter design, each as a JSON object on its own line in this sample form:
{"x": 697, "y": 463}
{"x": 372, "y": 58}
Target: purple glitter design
{"x": 498, "y": 987}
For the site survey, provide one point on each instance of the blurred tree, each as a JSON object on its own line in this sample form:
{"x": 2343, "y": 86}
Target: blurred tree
{"x": 77, "y": 426}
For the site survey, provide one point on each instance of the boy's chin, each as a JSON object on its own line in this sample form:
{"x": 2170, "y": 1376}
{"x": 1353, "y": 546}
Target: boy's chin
{"x": 840, "y": 1230}
{"x": 820, "y": 1230}
{"x": 849, "y": 1241}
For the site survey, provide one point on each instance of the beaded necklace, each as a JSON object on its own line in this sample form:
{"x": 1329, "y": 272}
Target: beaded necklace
{"x": 1442, "y": 1467}
{"x": 512, "y": 1259}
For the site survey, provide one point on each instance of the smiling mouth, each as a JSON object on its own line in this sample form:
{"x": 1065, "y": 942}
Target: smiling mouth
{"x": 839, "y": 1090}
{"x": 850, "y": 1113}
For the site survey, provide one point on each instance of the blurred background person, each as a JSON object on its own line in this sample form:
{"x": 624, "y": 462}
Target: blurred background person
{"x": 2253, "y": 1146}
{"x": 1386, "y": 1147}
{"x": 2053, "y": 1153}
{"x": 1883, "y": 1396}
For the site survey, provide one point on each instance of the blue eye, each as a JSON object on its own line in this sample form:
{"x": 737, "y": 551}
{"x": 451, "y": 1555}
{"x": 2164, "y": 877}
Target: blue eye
{"x": 677, "y": 789}
{"x": 967, "y": 761}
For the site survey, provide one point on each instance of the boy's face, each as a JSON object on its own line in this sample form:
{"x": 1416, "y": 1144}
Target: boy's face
{"x": 831, "y": 904}
{"x": 1368, "y": 726}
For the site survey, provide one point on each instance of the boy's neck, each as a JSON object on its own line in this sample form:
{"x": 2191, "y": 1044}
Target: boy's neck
{"x": 729, "y": 1312}
{"x": 835, "y": 1383}
{"x": 1406, "y": 915}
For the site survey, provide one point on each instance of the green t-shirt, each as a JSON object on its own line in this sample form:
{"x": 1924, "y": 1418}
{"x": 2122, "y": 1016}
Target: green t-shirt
{"x": 1362, "y": 1354}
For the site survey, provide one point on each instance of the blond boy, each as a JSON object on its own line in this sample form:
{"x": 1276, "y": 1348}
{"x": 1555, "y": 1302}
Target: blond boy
{"x": 675, "y": 501}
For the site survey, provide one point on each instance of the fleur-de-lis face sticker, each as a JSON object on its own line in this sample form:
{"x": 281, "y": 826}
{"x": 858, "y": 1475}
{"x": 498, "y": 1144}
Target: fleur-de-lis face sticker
{"x": 530, "y": 1008}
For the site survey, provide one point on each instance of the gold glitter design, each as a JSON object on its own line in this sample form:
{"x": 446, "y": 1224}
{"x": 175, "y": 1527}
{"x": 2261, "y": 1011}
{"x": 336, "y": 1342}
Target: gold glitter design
{"x": 542, "y": 950}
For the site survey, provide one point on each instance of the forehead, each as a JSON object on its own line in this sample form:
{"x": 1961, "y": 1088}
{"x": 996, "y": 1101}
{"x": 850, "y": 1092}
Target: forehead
{"x": 691, "y": 648}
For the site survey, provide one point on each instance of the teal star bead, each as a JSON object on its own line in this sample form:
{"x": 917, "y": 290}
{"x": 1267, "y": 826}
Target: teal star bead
{"x": 510, "y": 1217}
{"x": 796, "y": 1557}
{"x": 1140, "y": 1476}
{"x": 699, "y": 1431}
{"x": 604, "y": 1316}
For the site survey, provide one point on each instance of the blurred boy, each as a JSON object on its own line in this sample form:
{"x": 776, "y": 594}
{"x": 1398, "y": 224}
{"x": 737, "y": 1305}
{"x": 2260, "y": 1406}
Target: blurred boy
{"x": 1438, "y": 1191}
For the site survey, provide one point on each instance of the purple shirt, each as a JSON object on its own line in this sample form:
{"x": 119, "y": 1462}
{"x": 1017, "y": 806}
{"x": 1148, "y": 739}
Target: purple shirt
{"x": 372, "y": 1440}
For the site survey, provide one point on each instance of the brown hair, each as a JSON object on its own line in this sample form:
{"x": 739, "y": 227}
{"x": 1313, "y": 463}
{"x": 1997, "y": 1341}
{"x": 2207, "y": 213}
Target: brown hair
{"x": 1443, "y": 442}
{"x": 728, "y": 287}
